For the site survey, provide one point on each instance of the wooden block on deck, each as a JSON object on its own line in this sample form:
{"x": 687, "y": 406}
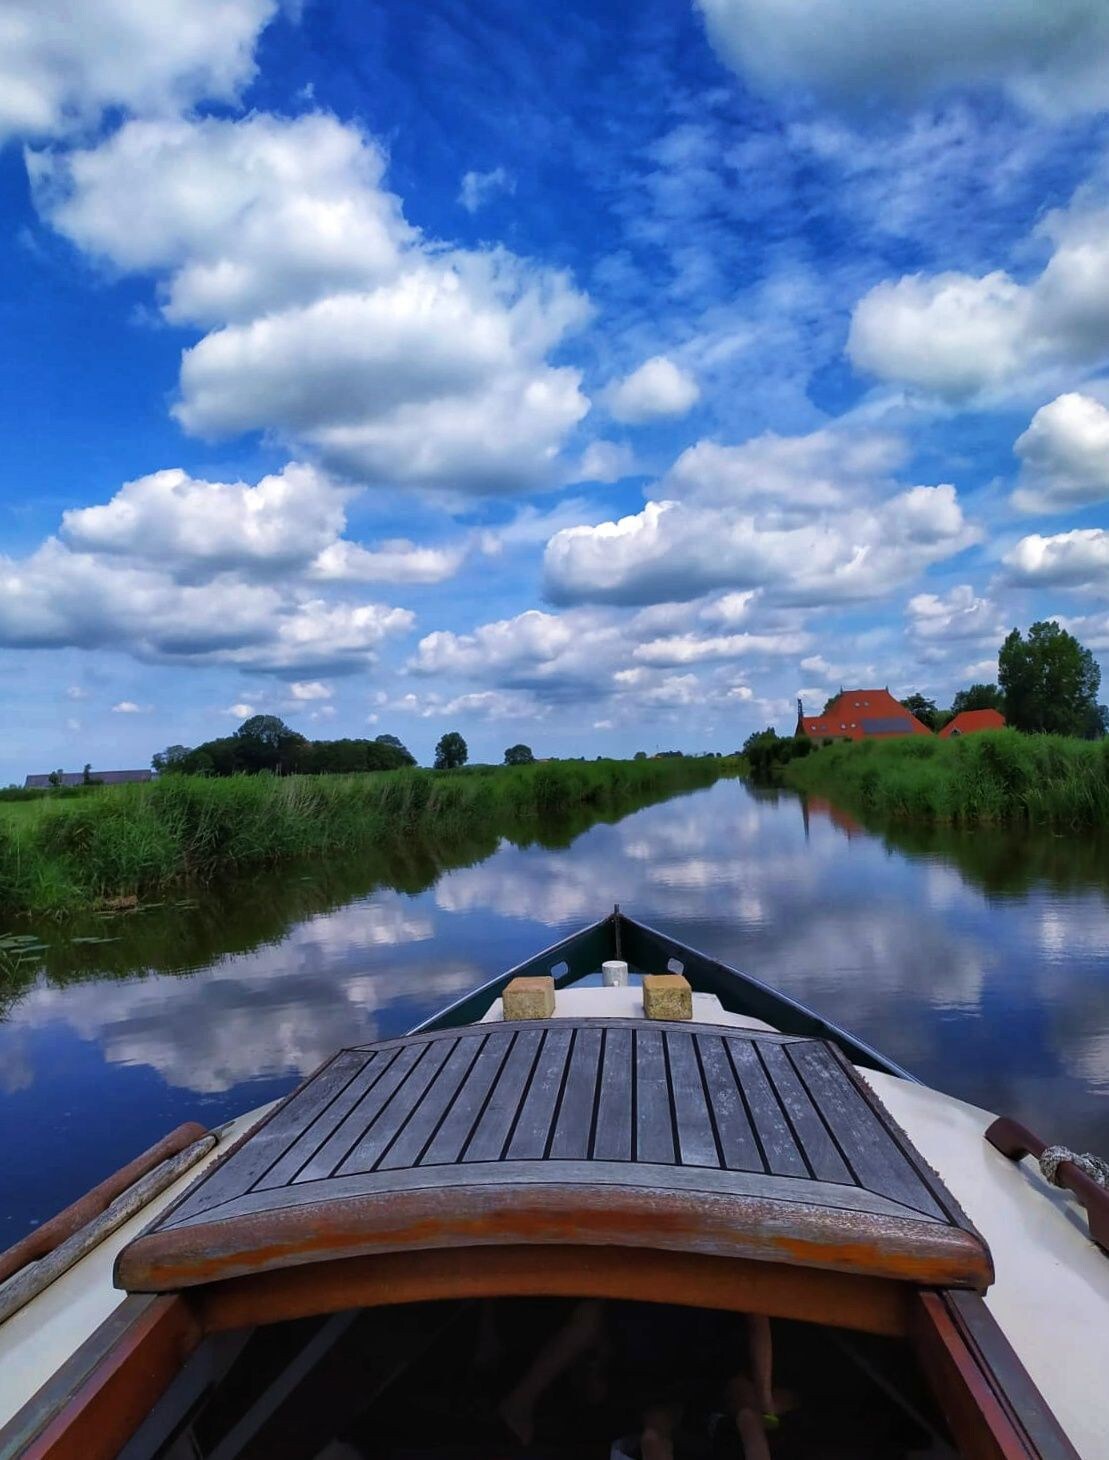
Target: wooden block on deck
{"x": 667, "y": 996}
{"x": 529, "y": 998}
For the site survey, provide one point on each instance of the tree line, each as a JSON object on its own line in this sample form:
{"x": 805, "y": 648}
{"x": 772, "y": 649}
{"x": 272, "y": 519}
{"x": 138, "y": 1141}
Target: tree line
{"x": 266, "y": 743}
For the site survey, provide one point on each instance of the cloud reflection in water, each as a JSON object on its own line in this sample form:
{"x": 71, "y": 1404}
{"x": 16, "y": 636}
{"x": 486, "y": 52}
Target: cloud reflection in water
{"x": 1001, "y": 999}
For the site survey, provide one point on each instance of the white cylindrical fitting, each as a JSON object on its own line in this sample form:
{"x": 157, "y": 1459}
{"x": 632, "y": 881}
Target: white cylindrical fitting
{"x": 614, "y": 973}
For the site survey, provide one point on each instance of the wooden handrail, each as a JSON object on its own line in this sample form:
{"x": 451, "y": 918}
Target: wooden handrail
{"x": 1016, "y": 1141}
{"x": 57, "y": 1229}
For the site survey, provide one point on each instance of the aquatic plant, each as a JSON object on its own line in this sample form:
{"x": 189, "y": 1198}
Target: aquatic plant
{"x": 998, "y": 776}
{"x": 137, "y": 840}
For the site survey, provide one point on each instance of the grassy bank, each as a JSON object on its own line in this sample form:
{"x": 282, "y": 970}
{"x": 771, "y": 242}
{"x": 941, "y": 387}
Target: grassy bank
{"x": 140, "y": 840}
{"x": 1002, "y": 776}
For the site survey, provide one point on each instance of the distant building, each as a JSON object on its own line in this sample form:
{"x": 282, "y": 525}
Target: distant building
{"x": 971, "y": 722}
{"x": 860, "y": 714}
{"x": 77, "y": 778}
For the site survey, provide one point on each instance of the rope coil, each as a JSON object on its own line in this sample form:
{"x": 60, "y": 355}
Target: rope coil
{"x": 1094, "y": 1167}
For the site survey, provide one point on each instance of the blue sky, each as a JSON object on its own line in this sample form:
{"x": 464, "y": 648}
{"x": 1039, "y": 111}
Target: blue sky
{"x": 601, "y": 378}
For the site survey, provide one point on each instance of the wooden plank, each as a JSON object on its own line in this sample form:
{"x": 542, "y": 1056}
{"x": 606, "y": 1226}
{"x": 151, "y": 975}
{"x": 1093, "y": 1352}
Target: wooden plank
{"x": 249, "y": 1160}
{"x": 529, "y": 1139}
{"x": 868, "y": 1305}
{"x": 612, "y": 1140}
{"x": 18, "y": 1290}
{"x": 779, "y": 1147}
{"x": 633, "y": 1175}
{"x": 385, "y": 1129}
{"x": 979, "y": 1422}
{"x": 696, "y": 1141}
{"x": 433, "y": 1105}
{"x": 548, "y": 1213}
{"x": 1015, "y": 1387}
{"x": 353, "y": 1126}
{"x": 737, "y": 1139}
{"x": 288, "y": 1166}
{"x": 820, "y": 1150}
{"x": 876, "y": 1159}
{"x": 141, "y": 1349}
{"x": 573, "y": 1130}
{"x": 654, "y": 1130}
{"x": 491, "y": 1135}
{"x": 52, "y": 1233}
{"x": 462, "y": 1117}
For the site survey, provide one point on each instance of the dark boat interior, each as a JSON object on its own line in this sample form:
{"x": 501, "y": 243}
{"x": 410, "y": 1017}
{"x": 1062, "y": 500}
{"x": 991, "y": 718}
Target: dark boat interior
{"x": 433, "y": 1381}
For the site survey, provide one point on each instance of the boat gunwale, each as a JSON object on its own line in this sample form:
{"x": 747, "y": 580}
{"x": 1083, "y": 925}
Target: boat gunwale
{"x": 799, "y": 1018}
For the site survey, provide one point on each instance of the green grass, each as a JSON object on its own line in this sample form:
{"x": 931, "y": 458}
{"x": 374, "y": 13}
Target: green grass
{"x": 1000, "y": 776}
{"x": 139, "y": 840}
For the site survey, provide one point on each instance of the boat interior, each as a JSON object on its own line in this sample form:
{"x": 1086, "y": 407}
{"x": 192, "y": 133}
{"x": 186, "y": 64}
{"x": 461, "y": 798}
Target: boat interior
{"x": 435, "y": 1381}
{"x": 599, "y": 1232}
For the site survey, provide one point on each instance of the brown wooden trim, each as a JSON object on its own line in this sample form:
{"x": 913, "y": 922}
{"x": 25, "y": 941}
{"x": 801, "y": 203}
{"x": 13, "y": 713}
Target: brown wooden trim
{"x": 1014, "y": 1385}
{"x": 987, "y": 1418}
{"x": 1016, "y": 1141}
{"x": 871, "y": 1305}
{"x": 93, "y": 1404}
{"x": 57, "y": 1229}
{"x": 549, "y": 1215}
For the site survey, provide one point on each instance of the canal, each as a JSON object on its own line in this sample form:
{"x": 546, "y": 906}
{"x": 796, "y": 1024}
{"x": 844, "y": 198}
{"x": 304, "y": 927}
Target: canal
{"x": 978, "y": 960}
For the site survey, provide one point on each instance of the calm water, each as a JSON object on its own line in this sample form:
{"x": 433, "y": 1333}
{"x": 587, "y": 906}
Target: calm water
{"x": 979, "y": 961}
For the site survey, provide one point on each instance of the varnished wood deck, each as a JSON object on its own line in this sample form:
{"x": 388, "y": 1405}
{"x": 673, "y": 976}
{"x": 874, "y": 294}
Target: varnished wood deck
{"x": 686, "y": 1138}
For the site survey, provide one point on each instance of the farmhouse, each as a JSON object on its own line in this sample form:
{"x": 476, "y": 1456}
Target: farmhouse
{"x": 860, "y": 714}
{"x": 77, "y": 778}
{"x": 970, "y": 722}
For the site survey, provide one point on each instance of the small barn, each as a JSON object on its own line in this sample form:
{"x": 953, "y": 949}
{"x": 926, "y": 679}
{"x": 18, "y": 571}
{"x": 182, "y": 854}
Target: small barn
{"x": 77, "y": 778}
{"x": 860, "y": 714}
{"x": 972, "y": 722}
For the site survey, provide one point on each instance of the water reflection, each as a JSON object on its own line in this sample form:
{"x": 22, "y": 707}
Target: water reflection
{"x": 982, "y": 963}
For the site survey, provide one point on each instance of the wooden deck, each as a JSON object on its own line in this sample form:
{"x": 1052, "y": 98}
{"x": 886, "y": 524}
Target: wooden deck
{"x": 691, "y": 1139}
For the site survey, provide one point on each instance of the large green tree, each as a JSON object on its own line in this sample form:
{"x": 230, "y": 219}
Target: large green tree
{"x": 978, "y": 697}
{"x": 1049, "y": 682}
{"x": 924, "y": 709}
{"x": 518, "y": 755}
{"x": 170, "y": 759}
{"x": 451, "y": 752}
{"x": 392, "y": 742}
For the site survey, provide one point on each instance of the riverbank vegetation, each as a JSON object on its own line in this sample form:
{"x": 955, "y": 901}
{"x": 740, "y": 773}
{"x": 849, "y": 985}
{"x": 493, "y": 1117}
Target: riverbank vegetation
{"x": 999, "y": 776}
{"x": 136, "y": 841}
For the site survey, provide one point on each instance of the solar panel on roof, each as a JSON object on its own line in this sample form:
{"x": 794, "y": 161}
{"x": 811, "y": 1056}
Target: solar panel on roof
{"x": 888, "y": 725}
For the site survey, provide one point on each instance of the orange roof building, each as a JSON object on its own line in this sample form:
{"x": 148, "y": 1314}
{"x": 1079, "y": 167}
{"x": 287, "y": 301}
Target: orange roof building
{"x": 860, "y": 714}
{"x": 971, "y": 722}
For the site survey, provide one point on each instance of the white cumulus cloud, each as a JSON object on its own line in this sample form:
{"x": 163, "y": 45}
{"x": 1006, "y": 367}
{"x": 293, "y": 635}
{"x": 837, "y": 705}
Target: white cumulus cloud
{"x": 188, "y": 525}
{"x": 330, "y": 321}
{"x": 396, "y": 560}
{"x": 1078, "y": 559}
{"x": 1064, "y": 456}
{"x": 62, "y": 64}
{"x": 765, "y": 519}
{"x": 959, "y": 614}
{"x": 961, "y": 335}
{"x": 657, "y": 388}
{"x": 58, "y": 597}
{"x": 1052, "y": 58}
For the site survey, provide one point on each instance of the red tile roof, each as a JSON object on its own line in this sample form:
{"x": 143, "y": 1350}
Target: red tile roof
{"x": 862, "y": 714}
{"x": 969, "y": 722}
